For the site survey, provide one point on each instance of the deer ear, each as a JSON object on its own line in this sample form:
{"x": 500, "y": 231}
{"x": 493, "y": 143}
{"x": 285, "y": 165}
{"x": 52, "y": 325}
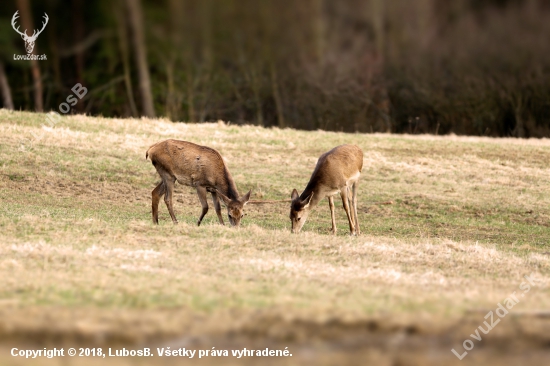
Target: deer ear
{"x": 307, "y": 201}
{"x": 294, "y": 194}
{"x": 244, "y": 199}
{"x": 224, "y": 198}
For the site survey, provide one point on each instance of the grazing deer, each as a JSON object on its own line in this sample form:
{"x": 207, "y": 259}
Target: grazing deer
{"x": 196, "y": 166}
{"x": 337, "y": 171}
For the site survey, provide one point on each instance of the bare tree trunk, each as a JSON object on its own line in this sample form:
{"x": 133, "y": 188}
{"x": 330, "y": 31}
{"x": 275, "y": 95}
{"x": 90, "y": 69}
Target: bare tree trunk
{"x": 26, "y": 22}
{"x": 190, "y": 93}
{"x": 181, "y": 58}
{"x": 270, "y": 28}
{"x": 378, "y": 15}
{"x": 517, "y": 103}
{"x": 7, "y": 102}
{"x": 257, "y": 98}
{"x": 123, "y": 44}
{"x": 206, "y": 32}
{"x": 277, "y": 97}
{"x": 78, "y": 35}
{"x": 319, "y": 30}
{"x": 177, "y": 56}
{"x": 382, "y": 103}
{"x": 135, "y": 17}
{"x": 169, "y": 111}
{"x": 205, "y": 75}
{"x": 55, "y": 57}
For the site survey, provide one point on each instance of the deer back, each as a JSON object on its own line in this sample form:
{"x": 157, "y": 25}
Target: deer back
{"x": 192, "y": 165}
{"x": 335, "y": 168}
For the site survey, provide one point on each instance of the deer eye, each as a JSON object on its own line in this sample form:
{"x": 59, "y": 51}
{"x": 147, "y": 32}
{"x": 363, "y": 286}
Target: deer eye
{"x": 298, "y": 218}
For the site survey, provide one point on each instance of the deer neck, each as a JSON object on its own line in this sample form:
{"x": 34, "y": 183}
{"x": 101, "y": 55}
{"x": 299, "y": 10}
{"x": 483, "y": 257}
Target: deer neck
{"x": 317, "y": 196}
{"x": 228, "y": 186}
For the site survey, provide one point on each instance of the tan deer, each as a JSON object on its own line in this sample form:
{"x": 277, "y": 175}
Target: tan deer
{"x": 337, "y": 171}
{"x": 196, "y": 166}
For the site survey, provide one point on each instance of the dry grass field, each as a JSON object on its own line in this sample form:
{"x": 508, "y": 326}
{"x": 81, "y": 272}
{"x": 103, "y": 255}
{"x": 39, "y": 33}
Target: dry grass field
{"x": 82, "y": 264}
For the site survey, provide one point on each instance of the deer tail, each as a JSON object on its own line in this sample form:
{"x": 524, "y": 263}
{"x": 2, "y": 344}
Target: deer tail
{"x": 147, "y": 152}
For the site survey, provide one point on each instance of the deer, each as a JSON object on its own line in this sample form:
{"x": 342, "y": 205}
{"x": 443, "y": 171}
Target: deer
{"x": 29, "y": 41}
{"x": 196, "y": 166}
{"x": 337, "y": 170}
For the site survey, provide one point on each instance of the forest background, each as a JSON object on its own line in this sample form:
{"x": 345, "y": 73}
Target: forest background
{"x": 476, "y": 67}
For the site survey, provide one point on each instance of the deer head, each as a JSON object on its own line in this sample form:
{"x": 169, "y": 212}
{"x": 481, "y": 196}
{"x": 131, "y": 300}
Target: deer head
{"x": 235, "y": 207}
{"x": 29, "y": 41}
{"x": 299, "y": 211}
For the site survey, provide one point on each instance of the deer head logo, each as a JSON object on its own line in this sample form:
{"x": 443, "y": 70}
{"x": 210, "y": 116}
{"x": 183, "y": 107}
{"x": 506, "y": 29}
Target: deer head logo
{"x": 29, "y": 41}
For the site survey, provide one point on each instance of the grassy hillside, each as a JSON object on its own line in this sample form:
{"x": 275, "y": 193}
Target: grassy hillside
{"x": 81, "y": 261}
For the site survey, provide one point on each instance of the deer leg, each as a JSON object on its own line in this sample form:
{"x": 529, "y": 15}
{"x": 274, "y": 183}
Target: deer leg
{"x": 354, "y": 189}
{"x": 350, "y": 203}
{"x": 344, "y": 195}
{"x": 201, "y": 191}
{"x": 157, "y": 193}
{"x": 169, "y": 184}
{"x": 352, "y": 196}
{"x": 332, "y": 216}
{"x": 217, "y": 207}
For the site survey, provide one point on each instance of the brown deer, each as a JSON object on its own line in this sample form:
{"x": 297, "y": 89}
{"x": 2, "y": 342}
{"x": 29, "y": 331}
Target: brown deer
{"x": 337, "y": 171}
{"x": 196, "y": 166}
